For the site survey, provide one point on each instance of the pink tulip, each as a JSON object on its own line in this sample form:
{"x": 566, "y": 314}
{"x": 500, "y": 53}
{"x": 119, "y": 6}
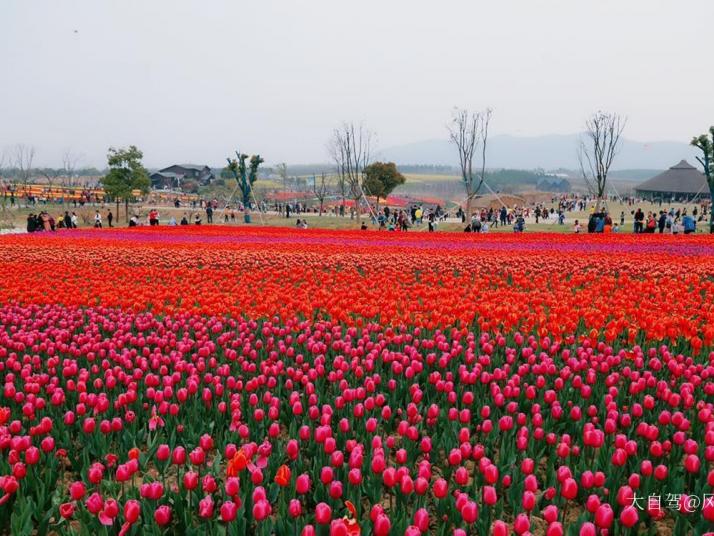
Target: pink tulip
{"x": 323, "y": 514}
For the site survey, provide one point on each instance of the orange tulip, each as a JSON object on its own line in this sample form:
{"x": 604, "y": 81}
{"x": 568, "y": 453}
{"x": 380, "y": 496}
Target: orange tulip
{"x": 282, "y": 477}
{"x": 237, "y": 463}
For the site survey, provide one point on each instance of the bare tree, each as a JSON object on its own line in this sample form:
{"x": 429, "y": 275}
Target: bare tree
{"x": 338, "y": 157}
{"x": 468, "y": 131}
{"x": 282, "y": 170}
{"x": 51, "y": 175}
{"x": 352, "y": 150}
{"x": 23, "y": 157}
{"x": 321, "y": 188}
{"x": 597, "y": 150}
{"x": 69, "y": 166}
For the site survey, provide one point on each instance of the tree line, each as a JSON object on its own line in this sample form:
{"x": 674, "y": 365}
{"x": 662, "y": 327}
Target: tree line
{"x": 355, "y": 175}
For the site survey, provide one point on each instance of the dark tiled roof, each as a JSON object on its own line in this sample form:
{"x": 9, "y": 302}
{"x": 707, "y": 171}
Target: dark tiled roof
{"x": 185, "y": 166}
{"x": 681, "y": 179}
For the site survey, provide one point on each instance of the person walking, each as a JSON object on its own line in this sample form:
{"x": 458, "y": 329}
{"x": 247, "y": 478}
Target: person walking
{"x": 110, "y": 218}
{"x": 689, "y": 224}
{"x": 153, "y": 217}
{"x": 639, "y": 219}
{"x": 662, "y": 221}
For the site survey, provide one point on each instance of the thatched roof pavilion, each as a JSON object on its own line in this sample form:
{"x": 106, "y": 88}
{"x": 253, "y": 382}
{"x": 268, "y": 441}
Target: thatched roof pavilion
{"x": 682, "y": 181}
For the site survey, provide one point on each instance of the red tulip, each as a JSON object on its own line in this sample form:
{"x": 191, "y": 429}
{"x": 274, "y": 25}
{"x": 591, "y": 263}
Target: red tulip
{"x": 500, "y": 528}
{"x": 295, "y": 508}
{"x": 178, "y": 457}
{"x": 228, "y": 511}
{"x": 441, "y": 488}
{"x": 76, "y": 491}
{"x": 302, "y": 484}
{"x": 489, "y": 495}
{"x": 569, "y": 489}
{"x": 197, "y": 456}
{"x": 232, "y": 486}
{"x": 550, "y": 513}
{"x": 67, "y": 510}
{"x": 323, "y": 514}
{"x": 469, "y": 512}
{"x": 94, "y": 503}
{"x": 692, "y": 463}
{"x": 205, "y": 507}
{"x": 163, "y": 453}
{"x": 522, "y": 524}
{"x": 421, "y": 519}
{"x": 162, "y": 515}
{"x": 554, "y": 529}
{"x": 382, "y": 525}
{"x": 132, "y": 511}
{"x": 629, "y": 516}
{"x": 190, "y": 480}
{"x": 206, "y": 443}
{"x": 261, "y": 510}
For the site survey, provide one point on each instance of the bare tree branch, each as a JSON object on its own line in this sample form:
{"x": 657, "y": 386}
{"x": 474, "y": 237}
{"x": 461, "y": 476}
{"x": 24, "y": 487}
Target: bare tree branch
{"x": 334, "y": 147}
{"x": 468, "y": 131}
{"x": 23, "y": 157}
{"x": 350, "y": 148}
{"x": 321, "y": 189}
{"x": 69, "y": 166}
{"x": 598, "y": 147}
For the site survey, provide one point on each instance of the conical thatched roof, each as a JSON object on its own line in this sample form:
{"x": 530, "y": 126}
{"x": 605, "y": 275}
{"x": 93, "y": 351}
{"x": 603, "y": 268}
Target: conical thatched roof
{"x": 680, "y": 179}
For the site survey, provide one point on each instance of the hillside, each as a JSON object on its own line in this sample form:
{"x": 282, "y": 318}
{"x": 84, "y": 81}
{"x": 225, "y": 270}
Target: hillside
{"x": 545, "y": 152}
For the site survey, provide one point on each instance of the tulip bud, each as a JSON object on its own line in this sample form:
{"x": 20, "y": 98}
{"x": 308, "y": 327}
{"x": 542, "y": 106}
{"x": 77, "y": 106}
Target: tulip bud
{"x": 295, "y": 508}
{"x": 629, "y": 516}
{"x": 132, "y": 511}
{"x": 162, "y": 515}
{"x": 323, "y": 514}
{"x": 228, "y": 511}
{"x": 382, "y": 525}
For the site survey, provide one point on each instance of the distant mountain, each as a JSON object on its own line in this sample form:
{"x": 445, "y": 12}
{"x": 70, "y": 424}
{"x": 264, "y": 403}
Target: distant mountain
{"x": 547, "y": 152}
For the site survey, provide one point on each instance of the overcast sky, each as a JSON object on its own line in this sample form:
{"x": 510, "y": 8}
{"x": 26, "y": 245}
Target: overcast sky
{"x": 189, "y": 81}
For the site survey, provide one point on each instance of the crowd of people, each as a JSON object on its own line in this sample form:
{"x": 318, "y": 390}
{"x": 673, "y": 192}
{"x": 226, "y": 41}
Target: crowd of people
{"x": 44, "y": 222}
{"x": 670, "y": 221}
{"x": 422, "y": 216}
{"x": 404, "y": 219}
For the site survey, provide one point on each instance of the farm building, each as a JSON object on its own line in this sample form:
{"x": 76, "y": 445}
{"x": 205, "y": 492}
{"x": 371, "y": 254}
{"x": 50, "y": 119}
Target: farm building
{"x": 681, "y": 182}
{"x": 175, "y": 176}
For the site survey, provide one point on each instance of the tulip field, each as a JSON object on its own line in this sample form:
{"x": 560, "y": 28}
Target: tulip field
{"x": 225, "y": 381}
